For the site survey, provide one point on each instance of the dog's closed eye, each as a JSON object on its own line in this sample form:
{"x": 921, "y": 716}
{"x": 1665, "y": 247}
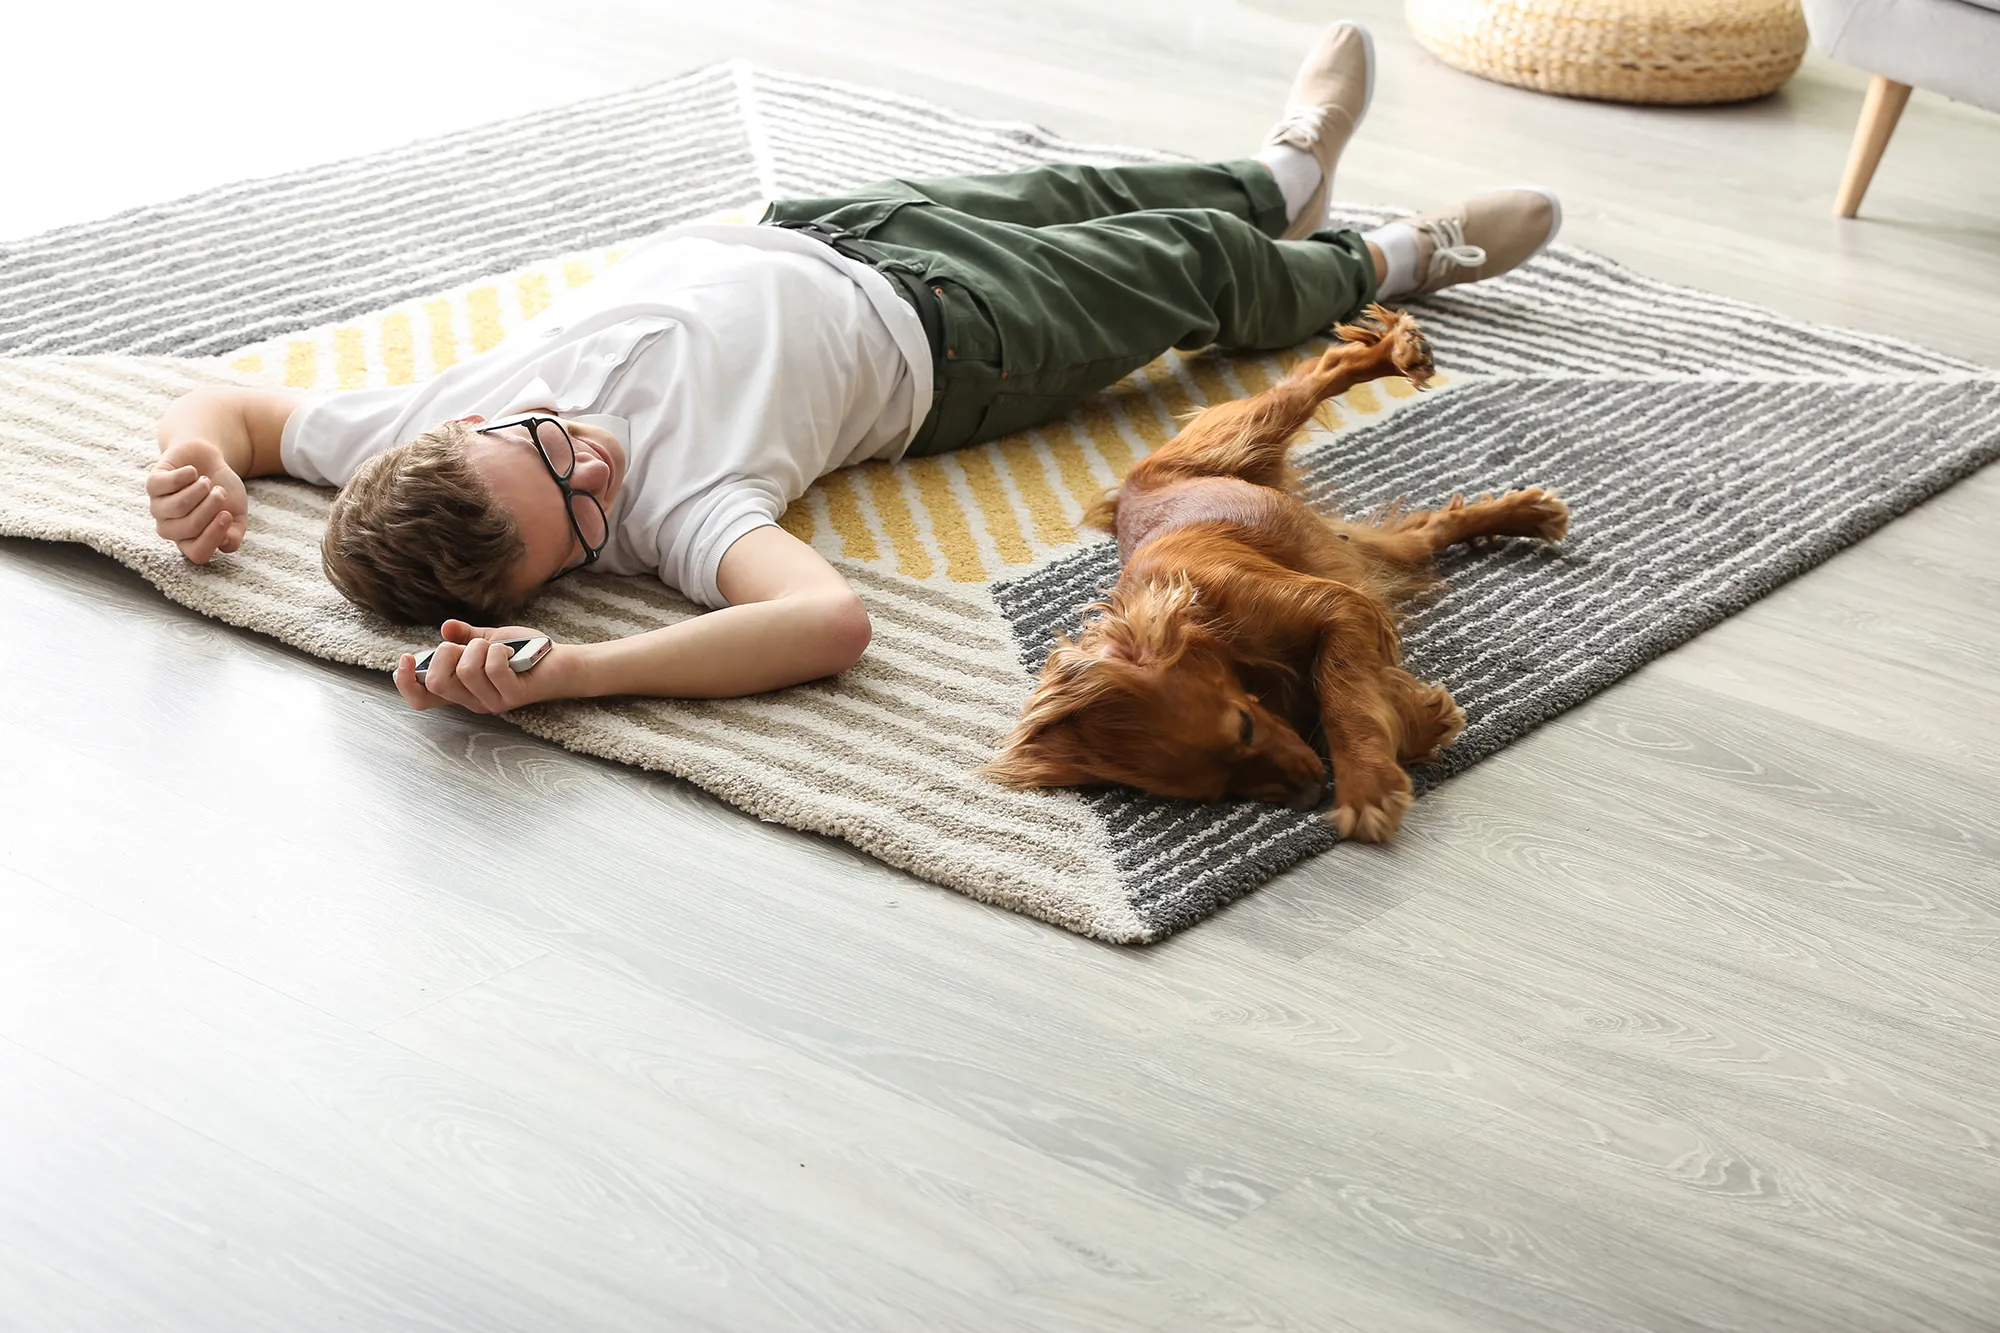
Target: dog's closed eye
{"x": 1248, "y": 732}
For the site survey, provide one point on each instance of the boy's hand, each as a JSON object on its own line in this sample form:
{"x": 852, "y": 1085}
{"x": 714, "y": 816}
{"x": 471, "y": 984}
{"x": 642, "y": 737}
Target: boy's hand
{"x": 198, "y": 502}
{"x": 470, "y": 669}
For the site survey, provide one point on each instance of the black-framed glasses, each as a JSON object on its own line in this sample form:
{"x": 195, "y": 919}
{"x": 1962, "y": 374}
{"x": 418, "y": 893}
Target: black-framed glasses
{"x": 586, "y": 516}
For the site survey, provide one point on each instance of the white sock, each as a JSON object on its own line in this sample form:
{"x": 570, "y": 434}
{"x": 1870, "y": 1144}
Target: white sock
{"x": 1398, "y": 244}
{"x": 1297, "y": 173}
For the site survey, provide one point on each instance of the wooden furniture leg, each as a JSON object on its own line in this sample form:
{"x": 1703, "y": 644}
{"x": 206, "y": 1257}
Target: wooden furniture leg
{"x": 1879, "y": 112}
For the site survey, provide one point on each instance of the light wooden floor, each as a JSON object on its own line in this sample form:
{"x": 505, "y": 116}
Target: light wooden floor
{"x": 1682, "y": 1013}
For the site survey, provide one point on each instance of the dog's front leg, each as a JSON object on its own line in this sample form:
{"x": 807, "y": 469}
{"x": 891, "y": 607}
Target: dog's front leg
{"x": 1355, "y": 666}
{"x": 1353, "y": 675}
{"x": 1371, "y": 791}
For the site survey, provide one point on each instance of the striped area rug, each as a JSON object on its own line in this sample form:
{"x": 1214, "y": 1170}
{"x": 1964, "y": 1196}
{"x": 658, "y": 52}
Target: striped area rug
{"x": 1710, "y": 450}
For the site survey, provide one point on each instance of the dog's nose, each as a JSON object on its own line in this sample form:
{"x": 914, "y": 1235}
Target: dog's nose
{"x": 1308, "y": 796}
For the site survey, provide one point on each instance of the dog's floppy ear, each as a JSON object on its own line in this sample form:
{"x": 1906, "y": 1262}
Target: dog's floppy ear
{"x": 1147, "y": 626}
{"x": 1049, "y": 757}
{"x": 1044, "y": 749}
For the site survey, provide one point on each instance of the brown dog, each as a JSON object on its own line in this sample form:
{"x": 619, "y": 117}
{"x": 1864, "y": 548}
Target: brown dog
{"x": 1244, "y": 620}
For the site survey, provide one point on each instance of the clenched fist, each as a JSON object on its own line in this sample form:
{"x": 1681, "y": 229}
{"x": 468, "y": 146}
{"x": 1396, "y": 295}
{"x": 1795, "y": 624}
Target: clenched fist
{"x": 198, "y": 502}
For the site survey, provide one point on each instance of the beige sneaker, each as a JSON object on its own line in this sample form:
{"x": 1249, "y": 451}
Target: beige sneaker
{"x": 1483, "y": 237}
{"x": 1329, "y": 97}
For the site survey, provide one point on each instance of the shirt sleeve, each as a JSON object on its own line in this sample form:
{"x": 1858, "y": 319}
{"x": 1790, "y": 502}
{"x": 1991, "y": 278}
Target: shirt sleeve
{"x": 692, "y": 548}
{"x": 330, "y": 435}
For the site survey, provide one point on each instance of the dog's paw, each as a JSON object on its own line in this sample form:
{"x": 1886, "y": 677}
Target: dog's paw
{"x": 1541, "y": 512}
{"x": 1434, "y": 723}
{"x": 1409, "y": 350}
{"x": 1373, "y": 816}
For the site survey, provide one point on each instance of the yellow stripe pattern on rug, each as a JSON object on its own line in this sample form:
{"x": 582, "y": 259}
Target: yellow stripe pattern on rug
{"x": 965, "y": 517}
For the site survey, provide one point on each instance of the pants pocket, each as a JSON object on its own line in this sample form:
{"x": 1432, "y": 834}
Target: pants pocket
{"x": 971, "y": 334}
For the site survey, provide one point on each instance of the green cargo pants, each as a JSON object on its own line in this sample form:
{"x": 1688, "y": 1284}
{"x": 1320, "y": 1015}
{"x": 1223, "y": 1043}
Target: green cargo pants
{"x": 1058, "y": 281}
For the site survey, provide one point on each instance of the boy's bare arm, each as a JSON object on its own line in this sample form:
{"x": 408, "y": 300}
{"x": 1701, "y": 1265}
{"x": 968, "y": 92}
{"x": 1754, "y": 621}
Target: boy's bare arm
{"x": 792, "y": 619}
{"x": 211, "y": 438}
{"x": 244, "y": 424}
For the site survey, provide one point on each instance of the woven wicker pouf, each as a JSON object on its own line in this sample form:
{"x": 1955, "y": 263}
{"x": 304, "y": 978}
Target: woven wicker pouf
{"x": 1620, "y": 50}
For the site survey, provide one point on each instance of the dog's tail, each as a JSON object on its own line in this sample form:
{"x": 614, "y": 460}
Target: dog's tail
{"x": 1103, "y": 511}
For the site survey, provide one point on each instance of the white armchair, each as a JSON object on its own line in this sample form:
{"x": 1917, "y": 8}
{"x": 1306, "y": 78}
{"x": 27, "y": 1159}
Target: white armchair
{"x": 1943, "y": 46}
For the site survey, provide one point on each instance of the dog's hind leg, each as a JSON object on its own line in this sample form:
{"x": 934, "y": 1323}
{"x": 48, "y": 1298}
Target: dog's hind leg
{"x": 1534, "y": 513}
{"x": 1410, "y": 538}
{"x": 1249, "y": 437}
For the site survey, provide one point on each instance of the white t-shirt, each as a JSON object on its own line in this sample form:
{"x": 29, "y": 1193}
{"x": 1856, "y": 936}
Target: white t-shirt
{"x": 749, "y": 361}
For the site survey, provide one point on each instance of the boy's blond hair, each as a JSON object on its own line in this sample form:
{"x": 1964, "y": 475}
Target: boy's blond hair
{"x": 415, "y": 536}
